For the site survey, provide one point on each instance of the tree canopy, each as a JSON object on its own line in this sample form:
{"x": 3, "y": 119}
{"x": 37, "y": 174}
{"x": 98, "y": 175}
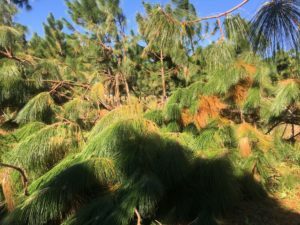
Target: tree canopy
{"x": 101, "y": 125}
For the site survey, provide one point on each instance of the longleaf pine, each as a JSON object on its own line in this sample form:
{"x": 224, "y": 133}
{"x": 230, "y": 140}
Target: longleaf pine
{"x": 185, "y": 120}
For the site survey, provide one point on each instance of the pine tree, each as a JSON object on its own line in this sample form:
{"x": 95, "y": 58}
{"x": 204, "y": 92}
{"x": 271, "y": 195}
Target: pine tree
{"x": 85, "y": 140}
{"x": 20, "y": 3}
{"x": 284, "y": 32}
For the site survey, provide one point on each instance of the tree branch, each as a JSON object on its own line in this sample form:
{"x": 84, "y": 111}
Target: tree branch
{"x": 286, "y": 125}
{"x": 218, "y": 15}
{"x": 294, "y": 136}
{"x": 70, "y": 83}
{"x": 65, "y": 82}
{"x": 272, "y": 128}
{"x": 22, "y": 173}
{"x": 56, "y": 86}
{"x": 139, "y": 219}
{"x": 221, "y": 29}
{"x": 159, "y": 223}
{"x": 11, "y": 56}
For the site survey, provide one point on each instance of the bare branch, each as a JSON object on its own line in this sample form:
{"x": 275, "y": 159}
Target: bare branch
{"x": 294, "y": 136}
{"x": 139, "y": 219}
{"x": 218, "y": 15}
{"x": 159, "y": 223}
{"x": 273, "y": 127}
{"x": 22, "y": 173}
{"x": 11, "y": 56}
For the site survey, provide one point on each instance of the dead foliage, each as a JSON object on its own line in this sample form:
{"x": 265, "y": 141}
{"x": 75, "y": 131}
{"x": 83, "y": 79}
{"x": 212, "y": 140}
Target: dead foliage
{"x": 250, "y": 69}
{"x": 186, "y": 117}
{"x": 209, "y": 108}
{"x": 239, "y": 91}
{"x": 289, "y": 81}
{"x": 245, "y": 147}
{"x": 103, "y": 112}
{"x": 255, "y": 136}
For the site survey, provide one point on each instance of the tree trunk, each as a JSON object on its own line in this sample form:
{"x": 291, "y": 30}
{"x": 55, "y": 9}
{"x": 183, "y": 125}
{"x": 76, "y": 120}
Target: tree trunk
{"x": 126, "y": 87}
{"x": 124, "y": 77}
{"x": 117, "y": 89}
{"x": 163, "y": 82}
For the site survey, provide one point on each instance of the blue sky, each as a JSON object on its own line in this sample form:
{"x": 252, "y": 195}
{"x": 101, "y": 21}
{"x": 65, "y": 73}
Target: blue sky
{"x": 41, "y": 8}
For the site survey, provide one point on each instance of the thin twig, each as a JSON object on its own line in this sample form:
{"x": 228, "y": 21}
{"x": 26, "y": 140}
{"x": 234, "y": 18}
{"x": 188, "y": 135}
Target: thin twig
{"x": 65, "y": 82}
{"x": 193, "y": 221}
{"x": 286, "y": 125}
{"x": 293, "y": 132}
{"x": 159, "y": 223}
{"x": 273, "y": 127}
{"x": 221, "y": 29}
{"x": 295, "y": 136}
{"x": 56, "y": 86}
